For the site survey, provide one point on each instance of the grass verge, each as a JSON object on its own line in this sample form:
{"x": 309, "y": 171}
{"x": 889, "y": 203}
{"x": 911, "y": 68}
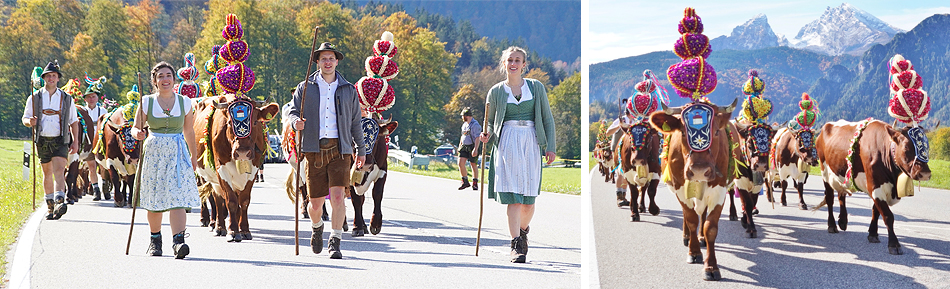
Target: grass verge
{"x": 553, "y": 179}
{"x": 15, "y": 193}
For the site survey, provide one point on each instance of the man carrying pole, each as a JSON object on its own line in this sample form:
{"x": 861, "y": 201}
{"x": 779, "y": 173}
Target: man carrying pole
{"x": 51, "y": 111}
{"x": 327, "y": 141}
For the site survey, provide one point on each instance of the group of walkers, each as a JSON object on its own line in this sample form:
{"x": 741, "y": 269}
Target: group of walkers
{"x": 519, "y": 130}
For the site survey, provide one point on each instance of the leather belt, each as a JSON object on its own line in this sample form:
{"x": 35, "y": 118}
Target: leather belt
{"x": 328, "y": 141}
{"x": 50, "y": 112}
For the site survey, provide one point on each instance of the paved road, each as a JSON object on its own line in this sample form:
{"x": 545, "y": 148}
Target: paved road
{"x": 793, "y": 249}
{"x": 427, "y": 241}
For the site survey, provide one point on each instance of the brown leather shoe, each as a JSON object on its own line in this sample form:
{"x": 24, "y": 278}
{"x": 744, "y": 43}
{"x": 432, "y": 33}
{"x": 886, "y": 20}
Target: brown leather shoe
{"x": 334, "y": 248}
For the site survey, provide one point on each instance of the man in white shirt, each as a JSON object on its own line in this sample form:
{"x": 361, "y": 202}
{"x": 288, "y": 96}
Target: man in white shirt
{"x": 50, "y": 112}
{"x": 330, "y": 141}
{"x": 95, "y": 112}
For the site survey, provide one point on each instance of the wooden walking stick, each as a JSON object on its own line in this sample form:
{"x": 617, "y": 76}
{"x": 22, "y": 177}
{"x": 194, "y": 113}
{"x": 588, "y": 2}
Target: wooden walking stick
{"x": 33, "y": 155}
{"x": 481, "y": 187}
{"x": 135, "y": 191}
{"x": 303, "y": 98}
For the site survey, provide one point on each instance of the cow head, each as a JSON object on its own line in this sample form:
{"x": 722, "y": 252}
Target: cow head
{"x": 805, "y": 140}
{"x": 911, "y": 150}
{"x": 639, "y": 136}
{"x": 756, "y": 139}
{"x": 698, "y": 132}
{"x": 244, "y": 121}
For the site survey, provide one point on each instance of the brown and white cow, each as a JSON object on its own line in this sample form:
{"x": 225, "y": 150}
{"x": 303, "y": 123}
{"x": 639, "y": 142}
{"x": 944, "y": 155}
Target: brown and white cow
{"x": 236, "y": 140}
{"x": 119, "y": 155}
{"x": 75, "y": 187}
{"x": 639, "y": 153}
{"x": 373, "y": 173}
{"x": 697, "y": 171}
{"x": 885, "y": 161}
{"x": 751, "y": 153}
{"x": 792, "y": 156}
{"x": 605, "y": 158}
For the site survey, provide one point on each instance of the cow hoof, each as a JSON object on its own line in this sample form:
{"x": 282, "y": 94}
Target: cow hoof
{"x": 358, "y": 232}
{"x": 621, "y": 203}
{"x": 643, "y": 209}
{"x": 376, "y": 224}
{"x": 712, "y": 276}
{"x": 235, "y": 237}
{"x": 221, "y": 232}
{"x": 751, "y": 234}
{"x": 686, "y": 242}
{"x": 702, "y": 242}
{"x": 697, "y": 259}
{"x": 205, "y": 223}
{"x": 246, "y": 236}
{"x": 784, "y": 204}
{"x": 873, "y": 239}
{"x": 755, "y": 211}
{"x": 306, "y": 215}
{"x": 803, "y": 207}
{"x": 634, "y": 218}
{"x": 733, "y": 218}
{"x": 346, "y": 228}
{"x": 654, "y": 210}
{"x": 895, "y": 250}
{"x": 833, "y": 230}
{"x": 843, "y": 223}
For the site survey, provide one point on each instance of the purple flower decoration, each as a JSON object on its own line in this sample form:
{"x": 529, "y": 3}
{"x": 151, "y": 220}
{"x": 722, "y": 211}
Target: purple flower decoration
{"x": 694, "y": 77}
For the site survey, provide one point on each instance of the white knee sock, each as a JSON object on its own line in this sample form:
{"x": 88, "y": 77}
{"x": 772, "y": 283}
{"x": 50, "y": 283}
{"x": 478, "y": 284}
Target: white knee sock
{"x": 317, "y": 224}
{"x": 337, "y": 233}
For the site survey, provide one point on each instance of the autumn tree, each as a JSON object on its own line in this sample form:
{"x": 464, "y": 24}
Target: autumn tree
{"x": 62, "y": 18}
{"x": 466, "y": 96}
{"x": 85, "y": 57}
{"x": 144, "y": 45}
{"x": 24, "y": 44}
{"x": 106, "y": 22}
{"x": 565, "y": 100}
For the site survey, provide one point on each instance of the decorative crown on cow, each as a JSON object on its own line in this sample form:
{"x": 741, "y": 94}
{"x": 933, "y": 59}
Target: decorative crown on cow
{"x": 128, "y": 110}
{"x": 235, "y": 78}
{"x": 375, "y": 93}
{"x": 909, "y": 102}
{"x": 693, "y": 77}
{"x": 72, "y": 88}
{"x": 648, "y": 97}
{"x": 755, "y": 108}
{"x": 188, "y": 73}
{"x": 212, "y": 87}
{"x": 94, "y": 85}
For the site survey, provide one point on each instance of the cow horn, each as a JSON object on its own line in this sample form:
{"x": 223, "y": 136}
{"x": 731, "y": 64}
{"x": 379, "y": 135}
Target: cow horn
{"x": 731, "y": 107}
{"x": 670, "y": 110}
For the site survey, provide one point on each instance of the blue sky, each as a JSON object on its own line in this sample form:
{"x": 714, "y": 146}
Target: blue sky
{"x": 622, "y": 28}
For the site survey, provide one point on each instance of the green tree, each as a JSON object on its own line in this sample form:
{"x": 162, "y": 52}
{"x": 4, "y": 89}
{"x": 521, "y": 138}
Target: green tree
{"x": 940, "y": 143}
{"x": 465, "y": 97}
{"x": 107, "y": 23}
{"x": 144, "y": 45}
{"x": 62, "y": 18}
{"x": 86, "y": 57}
{"x": 565, "y": 102}
{"x": 24, "y": 44}
{"x": 284, "y": 58}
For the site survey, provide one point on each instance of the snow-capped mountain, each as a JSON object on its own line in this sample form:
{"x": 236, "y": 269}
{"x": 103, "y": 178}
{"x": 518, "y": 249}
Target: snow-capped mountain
{"x": 844, "y": 30}
{"x": 754, "y": 34}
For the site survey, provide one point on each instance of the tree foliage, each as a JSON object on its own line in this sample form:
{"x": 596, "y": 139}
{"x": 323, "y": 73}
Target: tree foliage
{"x": 465, "y": 97}
{"x": 565, "y": 100}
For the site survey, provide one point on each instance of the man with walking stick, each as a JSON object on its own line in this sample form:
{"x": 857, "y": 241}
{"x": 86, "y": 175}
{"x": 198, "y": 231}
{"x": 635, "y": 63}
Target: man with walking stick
{"x": 51, "y": 111}
{"x": 325, "y": 110}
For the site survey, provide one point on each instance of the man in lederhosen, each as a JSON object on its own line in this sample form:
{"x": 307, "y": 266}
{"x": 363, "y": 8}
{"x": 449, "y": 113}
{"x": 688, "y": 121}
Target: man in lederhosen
{"x": 332, "y": 117}
{"x": 51, "y": 111}
{"x": 470, "y": 131}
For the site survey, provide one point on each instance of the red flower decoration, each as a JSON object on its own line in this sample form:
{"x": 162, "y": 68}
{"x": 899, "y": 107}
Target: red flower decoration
{"x": 381, "y": 67}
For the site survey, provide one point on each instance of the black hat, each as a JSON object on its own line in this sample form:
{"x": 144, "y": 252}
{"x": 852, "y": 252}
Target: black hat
{"x": 466, "y": 112}
{"x": 53, "y": 66}
{"x": 326, "y": 46}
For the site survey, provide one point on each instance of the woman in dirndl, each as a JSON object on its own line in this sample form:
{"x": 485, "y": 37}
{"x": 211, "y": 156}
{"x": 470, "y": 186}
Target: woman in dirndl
{"x": 519, "y": 128}
{"x": 166, "y": 180}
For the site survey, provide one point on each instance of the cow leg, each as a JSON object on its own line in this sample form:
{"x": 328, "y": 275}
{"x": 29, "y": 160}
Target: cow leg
{"x": 305, "y": 203}
{"x": 800, "y": 186}
{"x": 634, "y": 211}
{"x": 220, "y": 212}
{"x": 651, "y": 191}
{"x": 784, "y": 186}
{"x": 690, "y": 234}
{"x": 872, "y": 228}
{"x": 747, "y": 205}
{"x": 244, "y": 198}
{"x": 711, "y": 270}
{"x": 376, "y": 223}
{"x": 829, "y": 200}
{"x": 231, "y": 205}
{"x": 732, "y": 206}
{"x": 893, "y": 246}
{"x": 702, "y": 222}
{"x": 71, "y": 174}
{"x": 769, "y": 190}
{"x": 359, "y": 225}
{"x": 129, "y": 189}
{"x": 119, "y": 200}
{"x": 205, "y": 213}
{"x": 643, "y": 198}
{"x": 843, "y": 213}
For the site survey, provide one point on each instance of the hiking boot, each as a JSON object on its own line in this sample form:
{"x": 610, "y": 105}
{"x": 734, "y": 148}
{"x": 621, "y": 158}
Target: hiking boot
{"x": 334, "y": 248}
{"x": 155, "y": 247}
{"x": 622, "y": 199}
{"x": 179, "y": 247}
{"x": 475, "y": 184}
{"x": 517, "y": 250}
{"x": 97, "y": 193}
{"x": 316, "y": 240}
{"x": 465, "y": 184}
{"x": 49, "y": 212}
{"x": 57, "y": 209}
{"x": 524, "y": 238}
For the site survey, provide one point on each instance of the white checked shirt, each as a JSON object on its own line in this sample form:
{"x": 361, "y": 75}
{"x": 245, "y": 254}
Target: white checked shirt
{"x": 328, "y": 127}
{"x": 49, "y": 124}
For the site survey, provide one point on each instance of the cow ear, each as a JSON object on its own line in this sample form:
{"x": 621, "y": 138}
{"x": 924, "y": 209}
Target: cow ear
{"x": 269, "y": 111}
{"x": 392, "y": 126}
{"x": 665, "y": 122}
{"x": 896, "y": 134}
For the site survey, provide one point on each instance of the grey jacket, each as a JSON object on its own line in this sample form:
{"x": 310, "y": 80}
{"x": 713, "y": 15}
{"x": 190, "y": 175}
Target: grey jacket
{"x": 347, "y": 115}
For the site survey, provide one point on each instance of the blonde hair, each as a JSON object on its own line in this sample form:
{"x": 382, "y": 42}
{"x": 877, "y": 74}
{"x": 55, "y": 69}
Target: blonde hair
{"x": 507, "y": 53}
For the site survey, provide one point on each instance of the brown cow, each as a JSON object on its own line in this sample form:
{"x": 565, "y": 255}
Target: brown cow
{"x": 885, "y": 160}
{"x": 119, "y": 155}
{"x": 792, "y": 156}
{"x": 373, "y": 172}
{"x": 751, "y": 151}
{"x": 697, "y": 171}
{"x": 639, "y": 157}
{"x": 75, "y": 187}
{"x": 236, "y": 140}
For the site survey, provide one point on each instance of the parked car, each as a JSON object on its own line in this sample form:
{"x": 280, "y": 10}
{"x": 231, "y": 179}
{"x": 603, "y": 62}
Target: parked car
{"x": 275, "y": 145}
{"x": 446, "y": 152}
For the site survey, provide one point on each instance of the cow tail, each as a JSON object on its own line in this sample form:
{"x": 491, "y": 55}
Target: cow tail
{"x": 289, "y": 185}
{"x": 205, "y": 191}
{"x": 822, "y": 204}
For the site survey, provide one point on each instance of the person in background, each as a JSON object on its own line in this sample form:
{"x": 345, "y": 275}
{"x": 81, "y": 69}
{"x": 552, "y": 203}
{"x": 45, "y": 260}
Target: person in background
{"x": 467, "y": 146}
